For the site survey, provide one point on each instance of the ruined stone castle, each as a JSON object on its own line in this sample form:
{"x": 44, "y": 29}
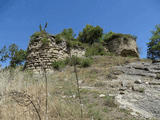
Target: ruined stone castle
{"x": 41, "y": 54}
{"x": 42, "y": 51}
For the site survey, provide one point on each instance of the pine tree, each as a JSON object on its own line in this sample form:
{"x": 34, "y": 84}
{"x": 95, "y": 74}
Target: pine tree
{"x": 153, "y": 51}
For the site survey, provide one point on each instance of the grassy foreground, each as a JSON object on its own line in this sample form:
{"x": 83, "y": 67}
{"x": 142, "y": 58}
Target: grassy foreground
{"x": 23, "y": 91}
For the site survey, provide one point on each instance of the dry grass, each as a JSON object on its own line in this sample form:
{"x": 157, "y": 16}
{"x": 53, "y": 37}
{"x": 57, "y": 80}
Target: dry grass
{"x": 63, "y": 103}
{"x": 62, "y": 106}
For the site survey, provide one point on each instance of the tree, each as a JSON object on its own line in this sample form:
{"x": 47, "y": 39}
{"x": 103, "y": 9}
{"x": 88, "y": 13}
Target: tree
{"x": 153, "y": 51}
{"x": 3, "y": 54}
{"x": 18, "y": 58}
{"x": 67, "y": 34}
{"x": 90, "y": 34}
{"x": 14, "y": 54}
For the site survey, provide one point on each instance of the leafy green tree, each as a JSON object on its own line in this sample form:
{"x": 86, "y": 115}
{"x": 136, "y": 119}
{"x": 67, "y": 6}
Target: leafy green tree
{"x": 18, "y": 58}
{"x": 3, "y": 54}
{"x": 90, "y": 34}
{"x": 15, "y": 55}
{"x": 13, "y": 48}
{"x": 153, "y": 51}
{"x": 67, "y": 34}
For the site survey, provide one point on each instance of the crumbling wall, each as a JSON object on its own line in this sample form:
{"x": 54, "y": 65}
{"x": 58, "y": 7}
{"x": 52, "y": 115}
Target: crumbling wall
{"x": 123, "y": 45}
{"x": 42, "y": 55}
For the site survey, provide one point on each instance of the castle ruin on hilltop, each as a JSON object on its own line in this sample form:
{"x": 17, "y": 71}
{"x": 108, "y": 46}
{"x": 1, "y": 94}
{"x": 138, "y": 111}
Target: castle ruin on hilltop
{"x": 123, "y": 45}
{"x": 43, "y": 49}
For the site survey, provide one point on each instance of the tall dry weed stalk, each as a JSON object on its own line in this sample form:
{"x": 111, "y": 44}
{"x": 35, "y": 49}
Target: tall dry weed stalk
{"x": 46, "y": 90}
{"x": 46, "y": 87}
{"x": 77, "y": 79}
{"x": 78, "y": 86}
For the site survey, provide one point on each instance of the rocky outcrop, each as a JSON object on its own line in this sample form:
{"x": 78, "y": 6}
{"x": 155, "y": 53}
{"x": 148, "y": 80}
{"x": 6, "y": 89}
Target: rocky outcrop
{"x": 142, "y": 96}
{"x": 42, "y": 51}
{"x": 123, "y": 44}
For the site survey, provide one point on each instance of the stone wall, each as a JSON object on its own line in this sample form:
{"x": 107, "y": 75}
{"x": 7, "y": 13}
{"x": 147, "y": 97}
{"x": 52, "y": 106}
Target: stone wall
{"x": 39, "y": 54}
{"x": 123, "y": 45}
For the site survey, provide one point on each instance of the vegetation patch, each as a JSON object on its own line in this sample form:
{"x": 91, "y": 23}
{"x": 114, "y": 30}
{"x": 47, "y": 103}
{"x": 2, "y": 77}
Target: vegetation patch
{"x": 95, "y": 49}
{"x": 110, "y": 101}
{"x": 111, "y": 35}
{"x": 86, "y": 62}
{"x": 58, "y": 64}
{"x": 81, "y": 62}
{"x": 43, "y": 35}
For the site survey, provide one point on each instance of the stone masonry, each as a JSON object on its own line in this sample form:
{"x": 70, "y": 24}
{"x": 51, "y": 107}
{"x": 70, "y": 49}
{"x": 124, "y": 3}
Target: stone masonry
{"x": 43, "y": 55}
{"x": 123, "y": 45}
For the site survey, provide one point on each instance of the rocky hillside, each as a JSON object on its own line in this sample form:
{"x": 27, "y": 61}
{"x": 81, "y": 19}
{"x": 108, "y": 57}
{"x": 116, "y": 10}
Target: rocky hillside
{"x": 140, "y": 87}
{"x": 112, "y": 88}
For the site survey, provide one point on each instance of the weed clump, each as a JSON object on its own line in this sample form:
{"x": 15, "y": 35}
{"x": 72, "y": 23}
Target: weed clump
{"x": 109, "y": 101}
{"x": 86, "y": 62}
{"x": 58, "y": 64}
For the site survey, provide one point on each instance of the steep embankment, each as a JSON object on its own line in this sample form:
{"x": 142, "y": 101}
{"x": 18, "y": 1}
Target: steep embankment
{"x": 130, "y": 82}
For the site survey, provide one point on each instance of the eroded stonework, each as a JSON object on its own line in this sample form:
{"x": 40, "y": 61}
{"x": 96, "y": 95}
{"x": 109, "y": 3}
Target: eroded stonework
{"x": 122, "y": 45}
{"x": 40, "y": 54}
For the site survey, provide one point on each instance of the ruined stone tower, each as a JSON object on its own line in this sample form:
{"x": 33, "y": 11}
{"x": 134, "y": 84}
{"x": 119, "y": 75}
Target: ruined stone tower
{"x": 123, "y": 44}
{"x": 43, "y": 49}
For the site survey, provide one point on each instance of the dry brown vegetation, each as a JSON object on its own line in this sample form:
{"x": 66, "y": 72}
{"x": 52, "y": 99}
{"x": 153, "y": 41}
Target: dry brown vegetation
{"x": 17, "y": 86}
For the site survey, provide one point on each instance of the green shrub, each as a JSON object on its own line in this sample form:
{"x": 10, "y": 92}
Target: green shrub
{"x": 73, "y": 60}
{"x": 74, "y": 44}
{"x": 82, "y": 62}
{"x": 44, "y": 37}
{"x": 107, "y": 36}
{"x": 58, "y": 39}
{"x": 110, "y": 101}
{"x": 67, "y": 61}
{"x": 58, "y": 64}
{"x": 86, "y": 62}
{"x": 90, "y": 34}
{"x": 45, "y": 41}
{"x": 111, "y": 35}
{"x": 95, "y": 49}
{"x": 95, "y": 114}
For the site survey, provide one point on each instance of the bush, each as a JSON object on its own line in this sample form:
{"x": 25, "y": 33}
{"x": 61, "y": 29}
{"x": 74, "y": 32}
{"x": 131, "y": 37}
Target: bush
{"x": 58, "y": 64}
{"x": 90, "y": 34}
{"x": 111, "y": 35}
{"x": 82, "y": 62}
{"x": 86, "y": 62}
{"x": 95, "y": 49}
{"x": 73, "y": 60}
{"x": 58, "y": 39}
{"x": 107, "y": 36}
{"x": 110, "y": 101}
{"x": 36, "y": 35}
{"x": 74, "y": 44}
{"x": 45, "y": 41}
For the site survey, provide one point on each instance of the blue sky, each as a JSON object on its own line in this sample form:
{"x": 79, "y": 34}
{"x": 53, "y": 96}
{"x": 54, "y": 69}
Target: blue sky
{"x": 19, "y": 19}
